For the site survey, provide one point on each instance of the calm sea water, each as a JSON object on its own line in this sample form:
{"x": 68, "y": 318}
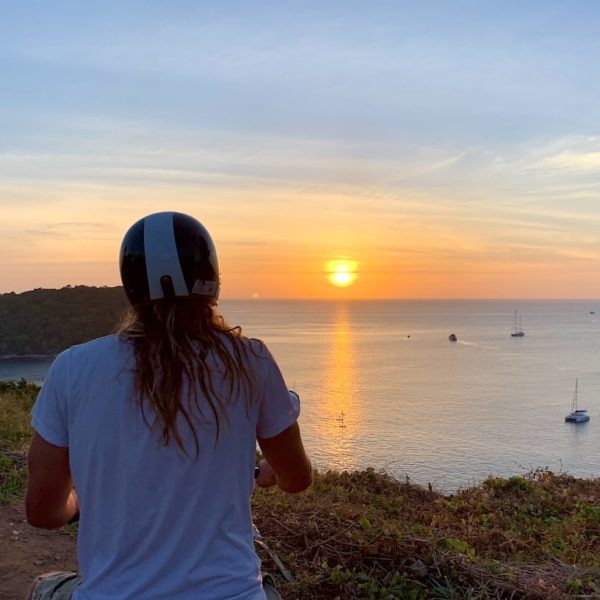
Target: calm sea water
{"x": 382, "y": 386}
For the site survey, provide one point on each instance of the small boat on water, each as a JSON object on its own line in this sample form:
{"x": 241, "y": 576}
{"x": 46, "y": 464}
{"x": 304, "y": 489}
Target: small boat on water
{"x": 577, "y": 415}
{"x": 517, "y": 329}
{"x": 452, "y": 337}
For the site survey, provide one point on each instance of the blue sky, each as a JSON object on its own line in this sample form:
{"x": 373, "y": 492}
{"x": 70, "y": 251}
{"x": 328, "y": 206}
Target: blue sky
{"x": 453, "y": 143}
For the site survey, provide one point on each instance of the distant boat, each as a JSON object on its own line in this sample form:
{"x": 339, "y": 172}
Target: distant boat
{"x": 517, "y": 328}
{"x": 577, "y": 415}
{"x": 452, "y": 337}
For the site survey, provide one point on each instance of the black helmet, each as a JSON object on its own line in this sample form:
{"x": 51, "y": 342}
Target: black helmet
{"x": 167, "y": 255}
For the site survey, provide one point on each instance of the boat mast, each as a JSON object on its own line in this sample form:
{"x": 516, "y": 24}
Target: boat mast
{"x": 574, "y": 407}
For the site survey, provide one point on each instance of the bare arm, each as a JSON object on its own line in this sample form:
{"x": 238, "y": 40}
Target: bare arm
{"x": 285, "y": 454}
{"x": 51, "y": 501}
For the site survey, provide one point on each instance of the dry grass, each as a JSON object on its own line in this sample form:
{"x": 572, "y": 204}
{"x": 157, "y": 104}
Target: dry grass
{"x": 366, "y": 535}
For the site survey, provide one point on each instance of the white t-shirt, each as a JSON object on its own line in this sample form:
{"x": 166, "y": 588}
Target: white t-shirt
{"x": 154, "y": 523}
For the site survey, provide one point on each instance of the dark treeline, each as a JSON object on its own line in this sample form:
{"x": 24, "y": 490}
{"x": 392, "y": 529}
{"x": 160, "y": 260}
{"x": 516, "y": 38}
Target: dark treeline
{"x": 48, "y": 321}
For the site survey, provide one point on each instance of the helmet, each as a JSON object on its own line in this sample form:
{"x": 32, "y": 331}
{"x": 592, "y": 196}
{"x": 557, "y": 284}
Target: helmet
{"x": 167, "y": 255}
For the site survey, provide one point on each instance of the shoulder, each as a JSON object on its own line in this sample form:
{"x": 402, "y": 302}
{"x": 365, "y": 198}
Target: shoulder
{"x": 252, "y": 347}
{"x": 101, "y": 344}
{"x": 258, "y": 347}
{"x": 258, "y": 350}
{"x": 110, "y": 345}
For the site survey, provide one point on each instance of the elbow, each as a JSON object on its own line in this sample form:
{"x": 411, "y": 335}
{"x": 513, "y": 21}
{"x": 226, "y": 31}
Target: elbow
{"x": 40, "y": 521}
{"x": 295, "y": 485}
{"x": 39, "y": 518}
{"x": 32, "y": 515}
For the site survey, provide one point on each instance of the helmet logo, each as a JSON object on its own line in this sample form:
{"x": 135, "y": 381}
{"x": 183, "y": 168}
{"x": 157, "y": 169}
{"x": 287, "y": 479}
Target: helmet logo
{"x": 205, "y": 288}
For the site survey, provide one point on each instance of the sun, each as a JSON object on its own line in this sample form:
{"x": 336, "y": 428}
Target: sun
{"x": 341, "y": 273}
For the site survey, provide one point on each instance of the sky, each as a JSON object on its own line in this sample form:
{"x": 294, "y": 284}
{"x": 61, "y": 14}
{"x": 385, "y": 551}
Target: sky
{"x": 444, "y": 149}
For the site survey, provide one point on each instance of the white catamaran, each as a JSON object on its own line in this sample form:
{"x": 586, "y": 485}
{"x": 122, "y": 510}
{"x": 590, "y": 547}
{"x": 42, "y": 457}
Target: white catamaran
{"x": 577, "y": 415}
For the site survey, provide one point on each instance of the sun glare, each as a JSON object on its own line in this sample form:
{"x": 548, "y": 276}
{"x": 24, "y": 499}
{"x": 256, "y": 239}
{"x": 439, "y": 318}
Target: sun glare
{"x": 341, "y": 273}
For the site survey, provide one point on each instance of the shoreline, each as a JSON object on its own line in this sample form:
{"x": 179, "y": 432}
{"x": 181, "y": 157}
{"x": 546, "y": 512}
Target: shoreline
{"x": 26, "y": 356}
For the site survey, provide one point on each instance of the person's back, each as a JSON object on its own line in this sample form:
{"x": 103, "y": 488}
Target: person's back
{"x": 159, "y": 425}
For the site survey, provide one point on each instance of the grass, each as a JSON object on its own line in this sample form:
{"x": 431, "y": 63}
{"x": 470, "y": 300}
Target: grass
{"x": 365, "y": 535}
{"x": 16, "y": 400}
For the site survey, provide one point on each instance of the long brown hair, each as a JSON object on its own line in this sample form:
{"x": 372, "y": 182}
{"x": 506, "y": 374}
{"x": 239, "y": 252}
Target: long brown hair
{"x": 171, "y": 341}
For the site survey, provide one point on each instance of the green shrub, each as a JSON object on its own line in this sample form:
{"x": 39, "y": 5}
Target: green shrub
{"x": 16, "y": 400}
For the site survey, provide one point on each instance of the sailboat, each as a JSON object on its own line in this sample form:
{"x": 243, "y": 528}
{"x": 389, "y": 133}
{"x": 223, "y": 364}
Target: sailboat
{"x": 577, "y": 415}
{"x": 517, "y": 330}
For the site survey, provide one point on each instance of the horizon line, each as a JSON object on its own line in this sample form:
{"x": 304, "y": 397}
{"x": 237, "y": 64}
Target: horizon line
{"x": 332, "y": 299}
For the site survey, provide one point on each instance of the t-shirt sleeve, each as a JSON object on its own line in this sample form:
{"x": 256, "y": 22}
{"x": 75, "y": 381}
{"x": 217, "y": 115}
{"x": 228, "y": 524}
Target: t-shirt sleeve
{"x": 49, "y": 413}
{"x": 278, "y": 408}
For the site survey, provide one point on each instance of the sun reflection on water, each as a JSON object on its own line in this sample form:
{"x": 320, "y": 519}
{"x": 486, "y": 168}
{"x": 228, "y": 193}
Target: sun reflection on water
{"x": 340, "y": 417}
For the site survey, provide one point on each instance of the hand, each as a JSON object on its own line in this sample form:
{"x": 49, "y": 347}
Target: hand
{"x": 267, "y": 476}
{"x": 73, "y": 506}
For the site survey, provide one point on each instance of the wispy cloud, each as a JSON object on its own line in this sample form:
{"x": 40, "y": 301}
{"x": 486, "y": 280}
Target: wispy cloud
{"x": 572, "y": 161}
{"x": 392, "y": 134}
{"x": 69, "y": 230}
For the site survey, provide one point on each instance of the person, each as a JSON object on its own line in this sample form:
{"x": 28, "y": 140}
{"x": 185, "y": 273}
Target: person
{"x": 149, "y": 435}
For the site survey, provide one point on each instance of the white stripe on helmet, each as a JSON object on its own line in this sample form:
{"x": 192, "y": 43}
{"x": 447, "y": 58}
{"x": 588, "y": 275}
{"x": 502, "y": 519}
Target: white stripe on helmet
{"x": 161, "y": 255}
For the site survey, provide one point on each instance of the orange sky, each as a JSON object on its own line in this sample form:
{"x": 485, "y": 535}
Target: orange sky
{"x": 450, "y": 153}
{"x": 277, "y": 243}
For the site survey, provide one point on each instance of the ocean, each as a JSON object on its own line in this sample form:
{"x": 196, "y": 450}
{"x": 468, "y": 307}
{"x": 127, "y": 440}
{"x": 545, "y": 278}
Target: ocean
{"x": 382, "y": 386}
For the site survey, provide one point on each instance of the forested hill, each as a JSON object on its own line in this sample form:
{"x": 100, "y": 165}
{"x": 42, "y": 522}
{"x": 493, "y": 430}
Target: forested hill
{"x": 48, "y": 321}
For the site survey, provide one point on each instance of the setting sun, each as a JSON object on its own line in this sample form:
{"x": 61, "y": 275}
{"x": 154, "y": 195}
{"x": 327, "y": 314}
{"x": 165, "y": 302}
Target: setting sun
{"x": 341, "y": 273}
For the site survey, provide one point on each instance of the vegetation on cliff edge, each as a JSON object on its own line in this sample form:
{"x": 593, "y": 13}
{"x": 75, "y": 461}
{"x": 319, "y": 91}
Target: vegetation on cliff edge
{"x": 45, "y": 321}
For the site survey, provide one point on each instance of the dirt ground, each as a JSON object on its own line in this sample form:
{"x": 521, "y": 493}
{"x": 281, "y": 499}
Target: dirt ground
{"x": 26, "y": 552}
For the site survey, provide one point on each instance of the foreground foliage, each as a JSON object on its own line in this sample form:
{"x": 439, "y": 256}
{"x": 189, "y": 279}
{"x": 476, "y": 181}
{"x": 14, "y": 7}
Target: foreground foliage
{"x": 16, "y": 400}
{"x": 365, "y": 535}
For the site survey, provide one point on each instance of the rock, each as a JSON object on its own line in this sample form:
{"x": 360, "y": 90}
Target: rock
{"x": 419, "y": 569}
